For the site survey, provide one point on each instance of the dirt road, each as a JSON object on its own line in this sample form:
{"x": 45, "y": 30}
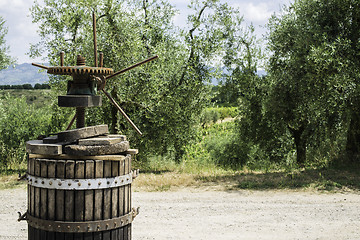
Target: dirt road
{"x": 198, "y": 214}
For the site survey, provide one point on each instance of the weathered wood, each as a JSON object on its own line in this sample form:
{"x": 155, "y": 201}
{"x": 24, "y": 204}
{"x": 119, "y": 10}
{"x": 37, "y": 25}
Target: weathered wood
{"x": 98, "y": 199}
{"x": 81, "y": 150}
{"x": 82, "y": 205}
{"x": 37, "y": 197}
{"x": 31, "y": 206}
{"x": 51, "y": 139}
{"x": 99, "y": 141}
{"x": 81, "y": 133}
{"x": 115, "y": 198}
{"x": 43, "y": 197}
{"x": 51, "y": 206}
{"x": 69, "y": 157}
{"x": 38, "y": 147}
{"x": 122, "y": 197}
{"x": 60, "y": 197}
{"x": 69, "y": 195}
{"x": 107, "y": 199}
{"x": 89, "y": 197}
{"x": 123, "y": 137}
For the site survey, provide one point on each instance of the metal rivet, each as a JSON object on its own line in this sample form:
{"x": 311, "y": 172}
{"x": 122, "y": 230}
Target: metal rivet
{"x": 89, "y": 184}
{"x": 60, "y": 183}
{"x": 115, "y": 182}
{"x": 35, "y": 181}
{"x": 99, "y": 183}
{"x": 42, "y": 182}
{"x": 68, "y": 227}
{"x": 108, "y": 182}
{"x": 78, "y": 227}
{"x": 79, "y": 184}
{"x": 50, "y": 183}
{"x": 69, "y": 184}
{"x": 30, "y": 180}
{"x": 49, "y": 226}
{"x": 58, "y": 226}
{"x": 122, "y": 180}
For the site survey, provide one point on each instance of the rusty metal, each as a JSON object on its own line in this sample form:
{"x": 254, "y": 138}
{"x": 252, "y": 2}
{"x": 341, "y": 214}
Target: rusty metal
{"x": 101, "y": 60}
{"x": 122, "y": 112}
{"x": 71, "y": 122}
{"x": 81, "y": 227}
{"x": 80, "y": 117}
{"x": 87, "y": 81}
{"x": 131, "y": 67}
{"x": 62, "y": 55}
{"x": 95, "y": 44}
{"x": 22, "y": 217}
{"x": 40, "y": 66}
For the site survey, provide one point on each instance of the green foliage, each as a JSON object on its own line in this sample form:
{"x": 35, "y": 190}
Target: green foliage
{"x": 19, "y": 122}
{"x": 164, "y": 98}
{"x": 5, "y": 59}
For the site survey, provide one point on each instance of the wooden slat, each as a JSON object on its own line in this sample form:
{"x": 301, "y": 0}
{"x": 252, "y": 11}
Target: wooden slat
{"x": 69, "y": 196}
{"x": 60, "y": 197}
{"x": 129, "y": 198}
{"x": 122, "y": 197}
{"x": 115, "y": 198}
{"x": 31, "y": 207}
{"x": 127, "y": 233}
{"x": 43, "y": 191}
{"x": 107, "y": 198}
{"x": 89, "y": 197}
{"x": 37, "y": 197}
{"x": 51, "y": 196}
{"x": 98, "y": 200}
{"x": 79, "y": 197}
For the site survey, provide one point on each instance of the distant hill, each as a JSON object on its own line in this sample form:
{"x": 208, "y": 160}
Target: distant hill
{"x": 22, "y": 74}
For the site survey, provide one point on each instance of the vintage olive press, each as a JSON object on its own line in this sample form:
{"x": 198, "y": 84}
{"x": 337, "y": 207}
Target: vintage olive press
{"x": 79, "y": 180}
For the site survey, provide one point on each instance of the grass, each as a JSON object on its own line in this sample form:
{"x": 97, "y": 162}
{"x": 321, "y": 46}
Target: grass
{"x": 38, "y": 97}
{"x": 161, "y": 175}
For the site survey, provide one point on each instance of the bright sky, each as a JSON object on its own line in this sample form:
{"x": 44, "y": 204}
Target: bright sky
{"x": 22, "y": 32}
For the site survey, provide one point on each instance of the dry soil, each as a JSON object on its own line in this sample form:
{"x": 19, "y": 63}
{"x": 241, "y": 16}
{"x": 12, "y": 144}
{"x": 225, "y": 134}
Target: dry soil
{"x": 198, "y": 214}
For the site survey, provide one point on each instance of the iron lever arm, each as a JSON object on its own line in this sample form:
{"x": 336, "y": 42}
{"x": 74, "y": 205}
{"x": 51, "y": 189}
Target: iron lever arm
{"x": 122, "y": 112}
{"x": 40, "y": 66}
{"x": 131, "y": 67}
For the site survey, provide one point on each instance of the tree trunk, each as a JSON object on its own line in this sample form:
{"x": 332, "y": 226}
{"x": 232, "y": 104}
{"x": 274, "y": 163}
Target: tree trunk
{"x": 353, "y": 135}
{"x": 300, "y": 143}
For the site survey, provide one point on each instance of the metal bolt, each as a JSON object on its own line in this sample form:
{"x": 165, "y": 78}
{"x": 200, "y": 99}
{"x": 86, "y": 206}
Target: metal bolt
{"x": 69, "y": 184}
{"x": 50, "y": 183}
{"x": 59, "y": 183}
{"x": 79, "y": 184}
{"x": 89, "y": 183}
{"x": 99, "y": 183}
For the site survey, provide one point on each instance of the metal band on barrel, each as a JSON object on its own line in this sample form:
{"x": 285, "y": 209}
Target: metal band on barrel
{"x": 79, "y": 184}
{"x": 80, "y": 227}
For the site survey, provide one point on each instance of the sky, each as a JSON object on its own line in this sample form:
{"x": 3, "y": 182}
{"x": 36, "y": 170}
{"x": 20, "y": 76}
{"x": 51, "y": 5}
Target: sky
{"x": 22, "y": 32}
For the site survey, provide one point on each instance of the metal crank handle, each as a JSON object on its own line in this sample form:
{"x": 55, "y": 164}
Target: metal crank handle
{"x": 122, "y": 112}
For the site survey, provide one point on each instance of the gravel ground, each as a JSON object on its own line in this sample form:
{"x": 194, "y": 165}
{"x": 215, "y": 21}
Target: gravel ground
{"x": 199, "y": 214}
